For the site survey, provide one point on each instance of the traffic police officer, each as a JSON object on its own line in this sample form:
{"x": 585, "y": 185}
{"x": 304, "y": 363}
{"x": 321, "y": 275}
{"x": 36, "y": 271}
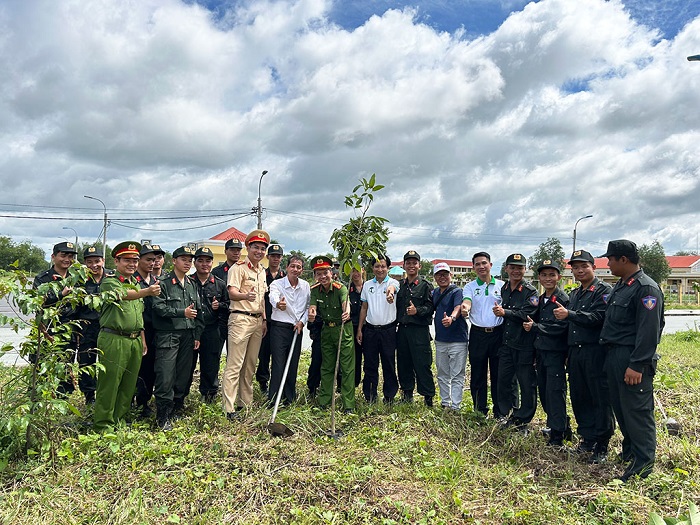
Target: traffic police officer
{"x": 590, "y": 398}
{"x": 631, "y": 332}
{"x": 516, "y": 357}
{"x": 178, "y": 323}
{"x": 414, "y": 314}
{"x": 213, "y": 296}
{"x": 121, "y": 339}
{"x": 246, "y": 324}
{"x": 329, "y": 301}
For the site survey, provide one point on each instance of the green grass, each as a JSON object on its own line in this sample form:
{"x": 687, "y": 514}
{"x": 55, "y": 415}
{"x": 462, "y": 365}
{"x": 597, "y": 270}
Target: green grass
{"x": 404, "y": 464}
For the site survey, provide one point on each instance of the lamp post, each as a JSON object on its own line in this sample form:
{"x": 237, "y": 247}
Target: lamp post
{"x": 259, "y": 202}
{"x": 694, "y": 58}
{"x": 575, "y": 225}
{"x": 76, "y": 235}
{"x": 104, "y": 234}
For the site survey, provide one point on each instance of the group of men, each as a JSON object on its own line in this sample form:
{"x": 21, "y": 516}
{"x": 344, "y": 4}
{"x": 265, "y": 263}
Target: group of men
{"x": 151, "y": 337}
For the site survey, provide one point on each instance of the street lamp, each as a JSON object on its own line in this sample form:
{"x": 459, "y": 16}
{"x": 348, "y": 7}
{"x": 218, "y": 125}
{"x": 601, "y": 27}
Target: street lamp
{"x": 104, "y": 235}
{"x": 694, "y": 58}
{"x": 259, "y": 202}
{"x": 76, "y": 235}
{"x": 575, "y": 225}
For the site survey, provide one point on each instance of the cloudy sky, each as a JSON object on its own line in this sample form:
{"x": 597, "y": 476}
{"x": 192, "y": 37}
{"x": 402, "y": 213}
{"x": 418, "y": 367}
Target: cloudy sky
{"x": 493, "y": 124}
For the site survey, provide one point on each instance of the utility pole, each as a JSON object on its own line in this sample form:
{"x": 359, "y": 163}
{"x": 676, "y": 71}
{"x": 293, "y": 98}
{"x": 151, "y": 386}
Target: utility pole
{"x": 575, "y": 225}
{"x": 259, "y": 201}
{"x": 104, "y": 230}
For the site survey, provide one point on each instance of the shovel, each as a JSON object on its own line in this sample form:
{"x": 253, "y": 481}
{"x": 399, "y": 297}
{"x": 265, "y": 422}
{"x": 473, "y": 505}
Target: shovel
{"x": 335, "y": 433}
{"x": 673, "y": 427}
{"x": 279, "y": 429}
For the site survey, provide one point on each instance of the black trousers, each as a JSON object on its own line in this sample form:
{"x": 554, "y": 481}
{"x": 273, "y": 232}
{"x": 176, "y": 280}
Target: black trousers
{"x": 551, "y": 383}
{"x": 634, "y": 410}
{"x": 313, "y": 378}
{"x": 589, "y": 393}
{"x": 262, "y": 373}
{"x": 174, "y": 352}
{"x": 281, "y": 337}
{"x": 379, "y": 344}
{"x": 358, "y": 357}
{"x": 209, "y": 356}
{"x": 483, "y": 358}
{"x": 519, "y": 364}
{"x": 87, "y": 355}
{"x": 147, "y": 374}
{"x": 414, "y": 359}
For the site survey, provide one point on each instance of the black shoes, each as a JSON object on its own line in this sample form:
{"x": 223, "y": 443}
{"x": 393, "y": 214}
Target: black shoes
{"x": 428, "y": 401}
{"x": 165, "y": 424}
{"x": 233, "y": 416}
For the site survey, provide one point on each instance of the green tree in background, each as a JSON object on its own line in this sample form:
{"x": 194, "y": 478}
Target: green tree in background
{"x": 652, "y": 259}
{"x": 29, "y": 258}
{"x": 550, "y": 249}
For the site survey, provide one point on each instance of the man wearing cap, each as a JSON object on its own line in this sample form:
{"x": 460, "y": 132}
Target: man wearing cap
{"x": 273, "y": 271}
{"x": 232, "y": 249}
{"x": 177, "y": 319}
{"x": 212, "y": 296}
{"x": 376, "y": 331}
{"x": 590, "y": 397}
{"x": 289, "y": 298}
{"x": 246, "y": 325}
{"x": 62, "y": 258}
{"x": 414, "y": 311}
{"x": 89, "y": 318}
{"x": 631, "y": 332}
{"x": 485, "y": 334}
{"x": 550, "y": 344}
{"x": 147, "y": 375}
{"x": 159, "y": 262}
{"x": 516, "y": 357}
{"x": 121, "y": 339}
{"x": 450, "y": 338}
{"x": 329, "y": 301}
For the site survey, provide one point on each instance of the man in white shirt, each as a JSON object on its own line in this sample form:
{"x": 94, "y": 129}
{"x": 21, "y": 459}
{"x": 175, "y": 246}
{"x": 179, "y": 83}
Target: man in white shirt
{"x": 289, "y": 298}
{"x": 485, "y": 334}
{"x": 377, "y": 331}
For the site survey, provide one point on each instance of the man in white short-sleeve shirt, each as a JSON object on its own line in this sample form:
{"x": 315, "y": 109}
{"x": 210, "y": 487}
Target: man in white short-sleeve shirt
{"x": 485, "y": 334}
{"x": 377, "y": 331}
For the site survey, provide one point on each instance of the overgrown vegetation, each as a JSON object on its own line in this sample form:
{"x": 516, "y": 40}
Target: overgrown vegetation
{"x": 402, "y": 464}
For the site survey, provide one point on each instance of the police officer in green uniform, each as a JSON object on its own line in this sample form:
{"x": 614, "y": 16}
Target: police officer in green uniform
{"x": 121, "y": 339}
{"x": 414, "y": 315}
{"x": 178, "y": 326}
{"x": 631, "y": 332}
{"x": 213, "y": 295}
{"x": 329, "y": 301}
{"x": 62, "y": 258}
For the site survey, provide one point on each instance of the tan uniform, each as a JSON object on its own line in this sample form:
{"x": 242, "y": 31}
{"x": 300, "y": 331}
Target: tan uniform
{"x": 245, "y": 326}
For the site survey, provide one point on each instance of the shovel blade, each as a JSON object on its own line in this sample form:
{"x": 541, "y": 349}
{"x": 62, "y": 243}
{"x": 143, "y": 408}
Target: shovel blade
{"x": 279, "y": 430}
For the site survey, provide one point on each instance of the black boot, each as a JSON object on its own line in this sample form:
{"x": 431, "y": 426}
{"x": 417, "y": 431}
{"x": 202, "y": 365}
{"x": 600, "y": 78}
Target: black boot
{"x": 428, "y": 401}
{"x": 556, "y": 438}
{"x": 600, "y": 452}
{"x": 407, "y": 396}
{"x": 163, "y": 418}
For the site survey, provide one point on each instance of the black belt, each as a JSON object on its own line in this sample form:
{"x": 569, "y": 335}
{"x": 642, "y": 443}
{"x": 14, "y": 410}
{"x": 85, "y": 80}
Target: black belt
{"x": 130, "y": 335}
{"x": 251, "y": 314}
{"x": 380, "y": 327}
{"x": 281, "y": 324}
{"x": 487, "y": 329}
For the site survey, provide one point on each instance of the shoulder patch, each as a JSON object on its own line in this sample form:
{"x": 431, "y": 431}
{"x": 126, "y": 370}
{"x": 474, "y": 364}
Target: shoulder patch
{"x": 314, "y": 286}
{"x": 337, "y": 286}
{"x": 605, "y": 297}
{"x": 649, "y": 302}
{"x": 534, "y": 300}
{"x": 122, "y": 278}
{"x": 239, "y": 262}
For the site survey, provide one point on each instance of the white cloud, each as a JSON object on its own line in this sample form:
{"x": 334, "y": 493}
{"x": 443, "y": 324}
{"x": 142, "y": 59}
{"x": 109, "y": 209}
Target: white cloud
{"x": 569, "y": 108}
